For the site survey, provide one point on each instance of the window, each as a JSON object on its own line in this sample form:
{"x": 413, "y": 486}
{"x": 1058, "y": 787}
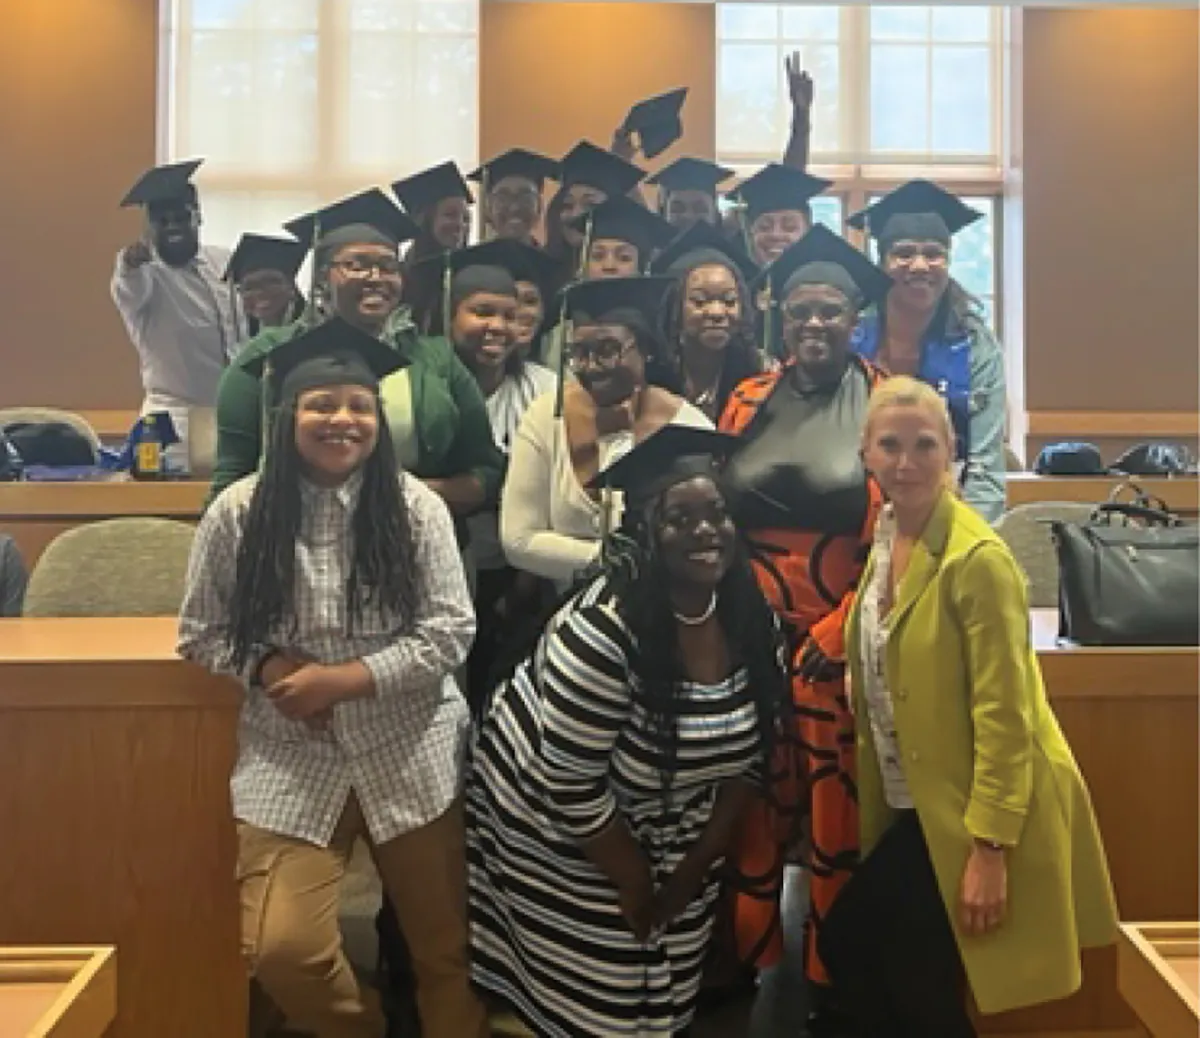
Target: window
{"x": 900, "y": 92}
{"x": 298, "y": 103}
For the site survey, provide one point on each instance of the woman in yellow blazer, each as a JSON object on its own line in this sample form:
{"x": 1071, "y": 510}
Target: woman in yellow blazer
{"x": 980, "y": 846}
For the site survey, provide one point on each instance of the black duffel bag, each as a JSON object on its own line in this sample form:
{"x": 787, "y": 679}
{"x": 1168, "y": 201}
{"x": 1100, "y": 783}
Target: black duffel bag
{"x": 1130, "y": 575}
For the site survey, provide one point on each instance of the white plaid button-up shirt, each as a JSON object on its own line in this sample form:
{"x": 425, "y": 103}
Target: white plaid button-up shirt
{"x": 401, "y": 750}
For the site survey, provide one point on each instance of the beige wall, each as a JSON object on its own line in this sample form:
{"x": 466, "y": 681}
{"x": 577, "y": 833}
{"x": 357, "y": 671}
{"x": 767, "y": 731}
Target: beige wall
{"x": 553, "y": 73}
{"x": 1111, "y": 209}
{"x": 1110, "y": 149}
{"x": 77, "y": 125}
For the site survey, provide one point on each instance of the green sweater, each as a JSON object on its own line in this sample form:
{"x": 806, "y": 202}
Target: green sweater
{"x": 450, "y": 419}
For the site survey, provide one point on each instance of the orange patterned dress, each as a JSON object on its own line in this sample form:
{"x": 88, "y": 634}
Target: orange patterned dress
{"x": 809, "y": 576}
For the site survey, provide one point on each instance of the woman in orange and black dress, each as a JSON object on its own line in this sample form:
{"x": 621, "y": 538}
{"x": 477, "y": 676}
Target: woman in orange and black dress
{"x": 798, "y": 490}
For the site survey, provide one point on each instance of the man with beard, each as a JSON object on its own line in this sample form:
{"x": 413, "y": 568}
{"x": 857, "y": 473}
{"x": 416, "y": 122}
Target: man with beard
{"x": 183, "y": 319}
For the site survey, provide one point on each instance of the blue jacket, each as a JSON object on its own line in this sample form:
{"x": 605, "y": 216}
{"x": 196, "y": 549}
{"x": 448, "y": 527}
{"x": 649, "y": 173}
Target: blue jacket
{"x": 967, "y": 368}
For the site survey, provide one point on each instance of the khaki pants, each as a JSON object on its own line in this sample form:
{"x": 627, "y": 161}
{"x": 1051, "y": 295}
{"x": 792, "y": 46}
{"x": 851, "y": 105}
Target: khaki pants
{"x": 293, "y": 946}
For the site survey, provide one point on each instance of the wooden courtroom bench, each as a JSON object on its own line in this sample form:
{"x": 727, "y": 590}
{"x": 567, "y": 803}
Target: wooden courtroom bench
{"x": 1181, "y": 493}
{"x": 1130, "y": 716}
{"x": 115, "y": 757}
{"x": 57, "y": 992}
{"x": 33, "y": 514}
{"x": 1159, "y": 971}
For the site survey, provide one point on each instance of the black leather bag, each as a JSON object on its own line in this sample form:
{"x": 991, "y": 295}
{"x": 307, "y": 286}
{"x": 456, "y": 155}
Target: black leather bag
{"x": 1130, "y": 575}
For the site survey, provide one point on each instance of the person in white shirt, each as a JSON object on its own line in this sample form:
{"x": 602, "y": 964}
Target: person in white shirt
{"x": 182, "y": 318}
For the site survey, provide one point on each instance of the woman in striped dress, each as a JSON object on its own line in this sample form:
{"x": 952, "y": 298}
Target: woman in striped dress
{"x": 611, "y": 768}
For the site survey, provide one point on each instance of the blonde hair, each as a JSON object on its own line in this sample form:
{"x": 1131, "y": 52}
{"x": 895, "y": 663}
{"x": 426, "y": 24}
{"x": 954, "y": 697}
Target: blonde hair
{"x": 903, "y": 391}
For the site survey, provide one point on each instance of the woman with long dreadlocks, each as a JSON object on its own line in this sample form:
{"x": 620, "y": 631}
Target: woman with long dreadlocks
{"x": 797, "y": 487}
{"x": 708, "y": 316}
{"x": 333, "y": 588}
{"x": 612, "y": 766}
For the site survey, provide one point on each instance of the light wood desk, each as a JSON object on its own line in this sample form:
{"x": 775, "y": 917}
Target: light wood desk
{"x": 1159, "y": 976}
{"x": 33, "y": 514}
{"x": 1130, "y": 716}
{"x": 1182, "y": 493}
{"x": 115, "y": 759}
{"x": 57, "y": 992}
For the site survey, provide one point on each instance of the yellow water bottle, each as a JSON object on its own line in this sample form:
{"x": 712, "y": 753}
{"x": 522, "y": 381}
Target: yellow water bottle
{"x": 148, "y": 456}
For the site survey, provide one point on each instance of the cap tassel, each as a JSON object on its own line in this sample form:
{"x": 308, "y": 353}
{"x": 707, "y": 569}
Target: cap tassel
{"x": 581, "y": 270}
{"x": 446, "y": 282}
{"x": 264, "y": 400}
{"x": 311, "y": 314}
{"x": 567, "y": 327}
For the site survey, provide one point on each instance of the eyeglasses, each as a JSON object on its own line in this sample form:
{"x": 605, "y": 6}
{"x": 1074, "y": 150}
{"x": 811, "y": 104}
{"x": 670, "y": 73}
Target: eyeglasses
{"x": 826, "y": 313}
{"x": 361, "y": 267}
{"x": 605, "y": 353}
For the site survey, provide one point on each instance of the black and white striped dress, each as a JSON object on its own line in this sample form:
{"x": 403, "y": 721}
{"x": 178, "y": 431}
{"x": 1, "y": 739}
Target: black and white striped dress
{"x": 562, "y": 750}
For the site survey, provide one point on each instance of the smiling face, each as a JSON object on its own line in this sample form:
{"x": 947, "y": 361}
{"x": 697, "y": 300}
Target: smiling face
{"x": 712, "y": 306}
{"x": 267, "y": 296}
{"x": 483, "y": 330}
{"x": 817, "y": 323}
{"x": 530, "y": 312}
{"x": 612, "y": 258}
{"x": 450, "y": 222}
{"x": 364, "y": 284}
{"x": 337, "y": 428}
{"x": 578, "y": 199}
{"x": 606, "y": 362}
{"x": 695, "y": 533}
{"x": 687, "y": 207}
{"x": 907, "y": 446}
{"x": 175, "y": 230}
{"x": 514, "y": 206}
{"x": 771, "y": 233}
{"x": 921, "y": 272}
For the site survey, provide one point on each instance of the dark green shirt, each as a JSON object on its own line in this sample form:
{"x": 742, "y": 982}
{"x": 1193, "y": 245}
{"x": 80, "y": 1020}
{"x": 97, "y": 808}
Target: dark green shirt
{"x": 448, "y": 415}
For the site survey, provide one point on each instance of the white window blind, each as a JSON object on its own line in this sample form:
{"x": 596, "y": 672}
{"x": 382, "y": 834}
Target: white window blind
{"x": 294, "y": 103}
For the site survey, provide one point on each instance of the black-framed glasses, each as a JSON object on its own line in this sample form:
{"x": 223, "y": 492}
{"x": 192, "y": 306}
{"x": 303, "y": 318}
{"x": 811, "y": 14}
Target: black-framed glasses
{"x": 362, "y": 267}
{"x": 604, "y": 353}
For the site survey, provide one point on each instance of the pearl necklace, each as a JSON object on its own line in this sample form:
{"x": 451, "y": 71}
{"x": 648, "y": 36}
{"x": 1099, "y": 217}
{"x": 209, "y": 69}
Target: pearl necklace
{"x": 696, "y": 621}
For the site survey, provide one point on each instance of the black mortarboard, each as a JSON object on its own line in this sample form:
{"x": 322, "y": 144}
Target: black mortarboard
{"x": 171, "y": 183}
{"x": 587, "y": 164}
{"x": 516, "y": 162}
{"x": 623, "y": 219}
{"x": 919, "y": 210}
{"x": 656, "y": 121}
{"x": 523, "y": 262}
{"x": 671, "y": 455}
{"x": 430, "y": 186}
{"x": 372, "y": 208}
{"x": 774, "y": 188}
{"x": 261, "y": 252}
{"x": 688, "y": 174}
{"x": 699, "y": 244}
{"x": 334, "y": 353}
{"x": 592, "y": 301}
{"x": 823, "y": 258}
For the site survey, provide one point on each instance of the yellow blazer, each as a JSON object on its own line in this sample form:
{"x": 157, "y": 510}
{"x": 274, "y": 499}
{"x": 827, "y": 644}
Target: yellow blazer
{"x": 984, "y": 757}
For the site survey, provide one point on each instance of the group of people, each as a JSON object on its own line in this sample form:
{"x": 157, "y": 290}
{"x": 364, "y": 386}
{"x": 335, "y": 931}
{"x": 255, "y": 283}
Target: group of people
{"x": 591, "y": 582}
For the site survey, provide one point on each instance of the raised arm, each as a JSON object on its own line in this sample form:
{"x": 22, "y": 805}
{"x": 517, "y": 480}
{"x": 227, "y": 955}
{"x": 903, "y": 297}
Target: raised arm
{"x": 800, "y": 91}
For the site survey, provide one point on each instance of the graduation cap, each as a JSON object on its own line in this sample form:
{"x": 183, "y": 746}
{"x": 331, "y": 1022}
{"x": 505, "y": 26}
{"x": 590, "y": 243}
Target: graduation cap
{"x": 261, "y": 252}
{"x": 919, "y": 210}
{"x": 656, "y": 121}
{"x": 688, "y": 174}
{"x": 774, "y": 188}
{"x": 590, "y": 302}
{"x": 425, "y": 189}
{"x": 824, "y": 258}
{"x": 334, "y": 353}
{"x": 523, "y": 262}
{"x": 588, "y": 164}
{"x": 516, "y": 162}
{"x": 623, "y": 219}
{"x": 162, "y": 184}
{"x": 700, "y": 244}
{"x": 671, "y": 455}
{"x": 371, "y": 207}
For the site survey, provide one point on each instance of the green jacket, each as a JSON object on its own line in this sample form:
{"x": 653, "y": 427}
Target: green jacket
{"x": 454, "y": 435}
